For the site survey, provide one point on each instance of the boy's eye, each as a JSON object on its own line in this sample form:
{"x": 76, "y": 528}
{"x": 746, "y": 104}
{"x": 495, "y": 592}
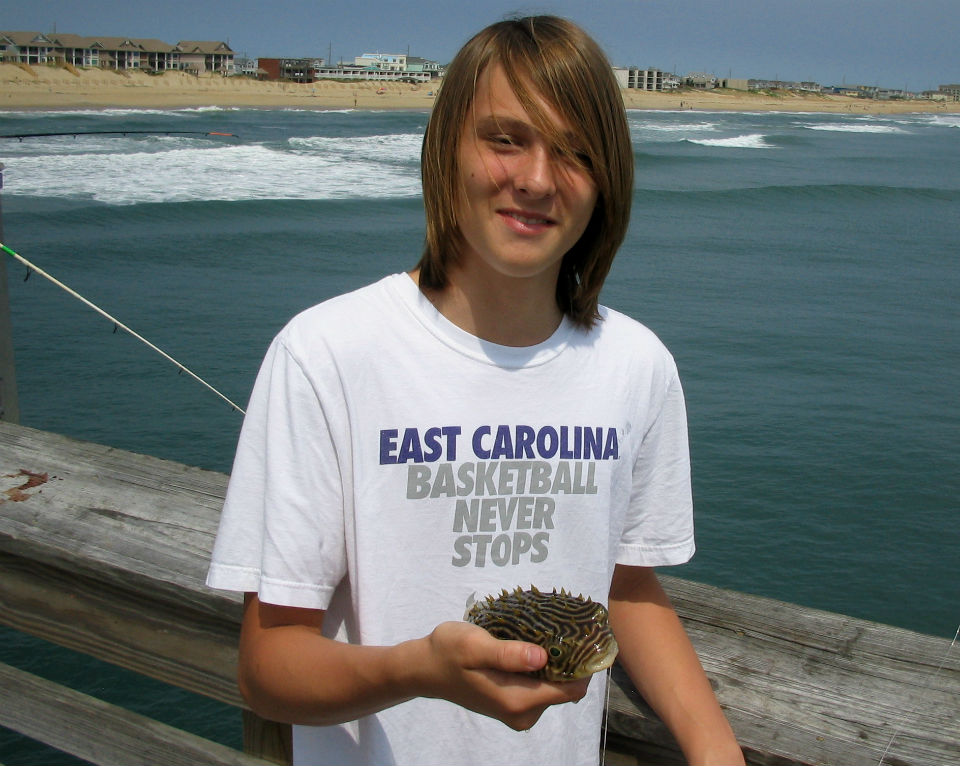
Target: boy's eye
{"x": 576, "y": 157}
{"x": 584, "y": 160}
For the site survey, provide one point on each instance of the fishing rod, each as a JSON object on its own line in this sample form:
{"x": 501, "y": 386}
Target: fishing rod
{"x": 76, "y": 133}
{"x": 117, "y": 324}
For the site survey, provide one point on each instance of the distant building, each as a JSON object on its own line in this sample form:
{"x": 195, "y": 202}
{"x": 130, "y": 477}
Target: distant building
{"x": 393, "y": 62}
{"x": 27, "y": 48}
{"x": 246, "y": 67}
{"x": 700, "y": 81}
{"x": 645, "y": 79}
{"x": 803, "y": 87}
{"x": 354, "y": 72}
{"x": 115, "y": 52}
{"x": 951, "y": 92}
{"x": 417, "y": 64}
{"x": 205, "y": 56}
{"x": 292, "y": 69}
{"x": 733, "y": 83}
{"x": 387, "y": 67}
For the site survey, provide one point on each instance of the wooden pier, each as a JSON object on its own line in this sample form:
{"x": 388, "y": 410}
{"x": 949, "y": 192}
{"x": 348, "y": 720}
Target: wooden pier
{"x": 105, "y": 552}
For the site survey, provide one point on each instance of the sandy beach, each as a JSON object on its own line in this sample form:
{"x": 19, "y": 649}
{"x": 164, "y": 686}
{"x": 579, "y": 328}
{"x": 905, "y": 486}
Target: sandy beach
{"x": 47, "y": 87}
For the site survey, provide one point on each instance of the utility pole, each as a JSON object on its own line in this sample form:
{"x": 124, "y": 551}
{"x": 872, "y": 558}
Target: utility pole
{"x": 9, "y": 406}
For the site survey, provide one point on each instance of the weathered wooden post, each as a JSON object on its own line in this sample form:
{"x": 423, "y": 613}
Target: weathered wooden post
{"x": 9, "y": 405}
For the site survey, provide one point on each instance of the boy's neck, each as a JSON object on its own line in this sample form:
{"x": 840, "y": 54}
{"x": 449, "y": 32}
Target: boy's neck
{"x": 503, "y": 310}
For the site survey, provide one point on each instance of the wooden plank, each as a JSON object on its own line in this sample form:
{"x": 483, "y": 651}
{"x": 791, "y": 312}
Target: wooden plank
{"x": 99, "y": 732}
{"x": 108, "y": 557}
{"x": 182, "y": 647}
{"x": 802, "y": 686}
{"x": 819, "y": 687}
{"x": 799, "y": 685}
{"x": 268, "y": 739}
{"x": 131, "y": 520}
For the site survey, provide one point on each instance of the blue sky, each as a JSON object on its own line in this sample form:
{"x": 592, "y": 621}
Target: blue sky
{"x": 891, "y": 43}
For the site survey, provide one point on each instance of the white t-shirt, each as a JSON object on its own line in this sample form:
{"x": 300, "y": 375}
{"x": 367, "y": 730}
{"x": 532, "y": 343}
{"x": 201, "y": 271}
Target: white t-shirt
{"x": 392, "y": 465}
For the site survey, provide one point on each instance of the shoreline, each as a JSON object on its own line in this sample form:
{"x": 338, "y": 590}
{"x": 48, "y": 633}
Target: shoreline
{"x": 43, "y": 88}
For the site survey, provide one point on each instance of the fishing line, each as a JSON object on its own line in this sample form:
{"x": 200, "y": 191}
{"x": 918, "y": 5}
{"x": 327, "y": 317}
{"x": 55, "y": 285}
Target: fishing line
{"x": 606, "y": 718}
{"x": 117, "y": 324}
{"x": 76, "y": 133}
{"x": 923, "y": 691}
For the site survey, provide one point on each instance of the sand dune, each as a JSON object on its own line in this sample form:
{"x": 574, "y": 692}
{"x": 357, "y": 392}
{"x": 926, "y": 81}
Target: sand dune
{"x": 49, "y": 87}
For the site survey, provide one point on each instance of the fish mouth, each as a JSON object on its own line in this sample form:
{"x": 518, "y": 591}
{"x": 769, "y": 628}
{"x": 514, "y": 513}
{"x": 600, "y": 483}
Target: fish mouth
{"x": 603, "y": 661}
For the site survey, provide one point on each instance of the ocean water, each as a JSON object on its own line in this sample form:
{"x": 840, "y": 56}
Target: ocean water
{"x": 802, "y": 268}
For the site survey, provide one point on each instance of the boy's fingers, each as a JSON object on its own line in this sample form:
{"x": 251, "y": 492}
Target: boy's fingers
{"x": 519, "y": 657}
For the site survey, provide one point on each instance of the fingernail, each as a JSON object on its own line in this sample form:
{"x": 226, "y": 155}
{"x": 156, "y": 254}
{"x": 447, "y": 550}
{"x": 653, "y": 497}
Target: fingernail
{"x": 534, "y": 657}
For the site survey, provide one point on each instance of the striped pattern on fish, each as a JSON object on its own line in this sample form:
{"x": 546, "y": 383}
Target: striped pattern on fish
{"x": 574, "y": 631}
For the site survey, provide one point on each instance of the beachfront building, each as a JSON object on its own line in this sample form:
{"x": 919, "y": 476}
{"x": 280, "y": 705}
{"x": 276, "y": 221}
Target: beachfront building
{"x": 406, "y": 66}
{"x": 803, "y": 87}
{"x": 650, "y": 78}
{"x": 246, "y": 67}
{"x": 119, "y": 53}
{"x": 292, "y": 70}
{"x": 205, "y": 56}
{"x": 417, "y": 64}
{"x": 354, "y": 72}
{"x": 391, "y": 62}
{"x": 388, "y": 67}
{"x": 733, "y": 83}
{"x": 950, "y": 92}
{"x": 27, "y": 48}
{"x": 700, "y": 81}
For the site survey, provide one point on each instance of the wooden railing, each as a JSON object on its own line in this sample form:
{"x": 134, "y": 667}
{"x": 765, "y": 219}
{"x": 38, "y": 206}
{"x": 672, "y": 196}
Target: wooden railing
{"x": 105, "y": 552}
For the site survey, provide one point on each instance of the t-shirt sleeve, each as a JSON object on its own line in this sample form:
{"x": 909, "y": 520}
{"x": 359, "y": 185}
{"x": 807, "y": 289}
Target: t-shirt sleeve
{"x": 281, "y": 530}
{"x": 659, "y": 525}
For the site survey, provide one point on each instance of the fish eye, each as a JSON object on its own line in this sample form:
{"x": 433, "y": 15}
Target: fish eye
{"x": 554, "y": 651}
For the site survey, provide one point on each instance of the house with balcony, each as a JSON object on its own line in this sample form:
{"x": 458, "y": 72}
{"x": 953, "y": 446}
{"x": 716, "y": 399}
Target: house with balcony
{"x": 949, "y": 92}
{"x": 700, "y": 81}
{"x": 121, "y": 53}
{"x": 651, "y": 78}
{"x": 290, "y": 69}
{"x": 417, "y": 64}
{"x": 201, "y": 56}
{"x": 27, "y": 48}
{"x": 247, "y": 67}
{"x": 390, "y": 62}
{"x": 370, "y": 66}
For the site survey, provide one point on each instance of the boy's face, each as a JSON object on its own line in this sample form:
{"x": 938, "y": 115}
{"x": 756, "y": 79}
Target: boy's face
{"x": 524, "y": 204}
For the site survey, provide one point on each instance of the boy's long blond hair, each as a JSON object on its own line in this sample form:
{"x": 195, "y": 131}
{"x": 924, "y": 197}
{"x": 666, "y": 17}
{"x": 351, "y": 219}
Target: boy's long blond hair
{"x": 553, "y": 59}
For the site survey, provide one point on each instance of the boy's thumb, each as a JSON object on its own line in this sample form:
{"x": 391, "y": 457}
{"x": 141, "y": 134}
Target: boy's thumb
{"x": 520, "y": 657}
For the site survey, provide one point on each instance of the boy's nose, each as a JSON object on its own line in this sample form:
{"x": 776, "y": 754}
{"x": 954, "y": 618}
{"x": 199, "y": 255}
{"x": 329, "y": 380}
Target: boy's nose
{"x": 535, "y": 175}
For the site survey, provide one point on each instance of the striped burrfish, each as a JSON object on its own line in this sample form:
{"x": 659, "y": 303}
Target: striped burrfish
{"x": 574, "y": 631}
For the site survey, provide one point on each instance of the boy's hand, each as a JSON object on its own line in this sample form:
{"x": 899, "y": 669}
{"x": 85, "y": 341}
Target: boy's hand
{"x": 466, "y": 665}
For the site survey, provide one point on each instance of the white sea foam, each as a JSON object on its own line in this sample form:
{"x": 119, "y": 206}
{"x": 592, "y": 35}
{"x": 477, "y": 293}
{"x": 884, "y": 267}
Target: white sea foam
{"x": 115, "y": 113}
{"x": 652, "y": 131}
{"x": 393, "y": 149}
{"x": 847, "y": 127}
{"x": 108, "y": 143}
{"x": 946, "y": 120}
{"x": 676, "y": 127}
{"x": 747, "y": 141}
{"x": 188, "y": 170}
